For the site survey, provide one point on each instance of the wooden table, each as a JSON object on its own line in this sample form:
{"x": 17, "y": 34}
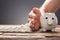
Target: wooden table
{"x": 31, "y": 36}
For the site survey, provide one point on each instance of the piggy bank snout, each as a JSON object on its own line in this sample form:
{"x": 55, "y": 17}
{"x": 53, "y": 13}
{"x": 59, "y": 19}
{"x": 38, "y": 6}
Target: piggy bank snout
{"x": 50, "y": 23}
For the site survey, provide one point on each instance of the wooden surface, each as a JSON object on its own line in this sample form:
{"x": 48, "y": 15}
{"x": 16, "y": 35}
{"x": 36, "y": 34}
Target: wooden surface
{"x": 31, "y": 36}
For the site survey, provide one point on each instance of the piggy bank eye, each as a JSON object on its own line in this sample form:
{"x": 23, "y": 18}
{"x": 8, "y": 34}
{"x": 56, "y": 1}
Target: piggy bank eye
{"x": 52, "y": 18}
{"x": 46, "y": 17}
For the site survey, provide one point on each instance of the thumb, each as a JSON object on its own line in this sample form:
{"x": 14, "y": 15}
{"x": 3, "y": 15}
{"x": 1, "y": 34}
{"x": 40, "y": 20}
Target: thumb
{"x": 36, "y": 10}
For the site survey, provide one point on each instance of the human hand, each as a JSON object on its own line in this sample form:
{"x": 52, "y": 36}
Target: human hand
{"x": 34, "y": 17}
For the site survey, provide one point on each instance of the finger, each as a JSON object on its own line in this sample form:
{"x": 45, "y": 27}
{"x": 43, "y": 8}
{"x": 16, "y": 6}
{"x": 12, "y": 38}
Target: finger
{"x": 36, "y": 10}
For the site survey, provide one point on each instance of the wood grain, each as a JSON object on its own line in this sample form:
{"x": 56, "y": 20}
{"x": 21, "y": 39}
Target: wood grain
{"x": 30, "y": 35}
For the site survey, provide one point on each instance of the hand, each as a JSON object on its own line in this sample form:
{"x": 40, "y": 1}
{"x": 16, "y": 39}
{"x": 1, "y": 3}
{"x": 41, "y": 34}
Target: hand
{"x": 34, "y": 17}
